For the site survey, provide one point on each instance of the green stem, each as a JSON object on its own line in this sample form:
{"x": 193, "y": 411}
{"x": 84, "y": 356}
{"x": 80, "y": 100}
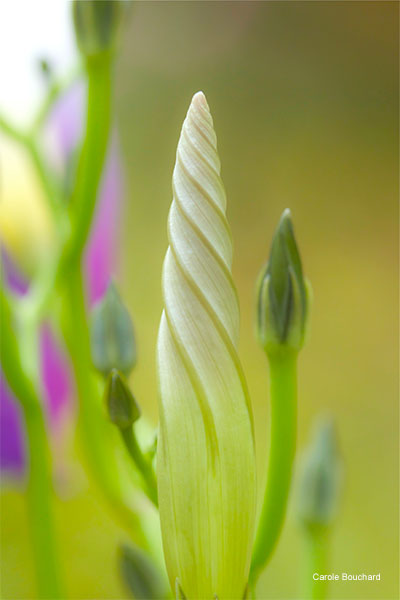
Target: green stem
{"x": 98, "y": 119}
{"x": 40, "y": 509}
{"x": 48, "y": 184}
{"x": 39, "y": 478}
{"x": 316, "y": 555}
{"x": 143, "y": 464}
{"x": 281, "y": 455}
{"x": 94, "y": 430}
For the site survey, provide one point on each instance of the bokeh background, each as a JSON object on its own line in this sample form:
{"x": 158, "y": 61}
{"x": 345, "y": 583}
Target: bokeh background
{"x": 304, "y": 97}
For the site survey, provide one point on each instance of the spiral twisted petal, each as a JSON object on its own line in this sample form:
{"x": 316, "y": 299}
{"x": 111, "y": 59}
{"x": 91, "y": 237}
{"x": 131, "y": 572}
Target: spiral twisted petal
{"x": 206, "y": 465}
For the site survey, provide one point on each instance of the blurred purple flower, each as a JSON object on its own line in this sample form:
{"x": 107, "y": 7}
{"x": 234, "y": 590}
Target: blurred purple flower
{"x": 12, "y": 444}
{"x": 64, "y": 130}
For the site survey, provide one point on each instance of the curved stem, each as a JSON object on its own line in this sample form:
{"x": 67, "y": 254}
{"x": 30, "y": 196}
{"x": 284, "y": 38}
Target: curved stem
{"x": 143, "y": 464}
{"x": 39, "y": 477}
{"x": 48, "y": 184}
{"x": 316, "y": 556}
{"x": 281, "y": 455}
{"x": 98, "y": 119}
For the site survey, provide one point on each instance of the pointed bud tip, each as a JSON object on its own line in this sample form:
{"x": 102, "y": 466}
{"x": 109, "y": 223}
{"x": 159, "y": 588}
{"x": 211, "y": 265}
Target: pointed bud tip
{"x": 199, "y": 100}
{"x": 320, "y": 481}
{"x": 199, "y": 105}
{"x": 286, "y": 215}
{"x": 112, "y": 336}
{"x": 282, "y": 294}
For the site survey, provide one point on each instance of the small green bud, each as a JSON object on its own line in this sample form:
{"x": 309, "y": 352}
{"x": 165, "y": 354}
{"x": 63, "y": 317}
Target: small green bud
{"x": 283, "y": 294}
{"x": 179, "y": 594}
{"x": 320, "y": 478}
{"x": 140, "y": 574}
{"x": 97, "y": 24}
{"x": 112, "y": 338}
{"x": 122, "y": 407}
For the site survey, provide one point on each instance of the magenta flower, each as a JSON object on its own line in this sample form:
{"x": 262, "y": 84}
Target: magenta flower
{"x": 63, "y": 130}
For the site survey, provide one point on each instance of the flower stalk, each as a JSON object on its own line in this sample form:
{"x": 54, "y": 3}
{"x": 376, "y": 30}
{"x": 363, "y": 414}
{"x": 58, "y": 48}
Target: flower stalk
{"x": 282, "y": 318}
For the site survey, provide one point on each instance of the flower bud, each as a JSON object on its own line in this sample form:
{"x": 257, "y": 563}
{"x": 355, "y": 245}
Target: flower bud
{"x": 140, "y": 574}
{"x": 320, "y": 478}
{"x": 96, "y": 24}
{"x": 112, "y": 338}
{"x": 283, "y": 294}
{"x": 123, "y": 410}
{"x": 205, "y": 453}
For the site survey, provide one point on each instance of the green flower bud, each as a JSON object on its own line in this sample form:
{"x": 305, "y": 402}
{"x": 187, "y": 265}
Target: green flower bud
{"x": 140, "y": 574}
{"x": 112, "y": 338}
{"x": 320, "y": 478}
{"x": 122, "y": 407}
{"x": 283, "y": 293}
{"x": 96, "y": 24}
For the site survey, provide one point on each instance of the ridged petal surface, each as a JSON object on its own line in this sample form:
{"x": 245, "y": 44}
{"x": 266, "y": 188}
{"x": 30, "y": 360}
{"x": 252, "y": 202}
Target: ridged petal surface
{"x": 205, "y": 464}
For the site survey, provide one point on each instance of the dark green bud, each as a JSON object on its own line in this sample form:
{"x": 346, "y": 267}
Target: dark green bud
{"x": 283, "y": 294}
{"x": 96, "y": 24}
{"x": 112, "y": 339}
{"x": 320, "y": 478}
{"x": 179, "y": 594}
{"x": 140, "y": 574}
{"x": 123, "y": 410}
{"x": 46, "y": 69}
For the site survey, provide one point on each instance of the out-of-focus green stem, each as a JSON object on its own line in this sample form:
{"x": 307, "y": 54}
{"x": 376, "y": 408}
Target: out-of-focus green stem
{"x": 283, "y": 400}
{"x": 95, "y": 145}
{"x": 48, "y": 184}
{"x": 39, "y": 505}
{"x": 94, "y": 430}
{"x": 39, "y": 477}
{"x": 317, "y": 563}
{"x": 143, "y": 464}
{"x": 55, "y": 89}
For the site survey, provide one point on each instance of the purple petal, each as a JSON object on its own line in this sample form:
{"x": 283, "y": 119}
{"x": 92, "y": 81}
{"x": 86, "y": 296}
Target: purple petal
{"x": 64, "y": 131}
{"x": 66, "y": 121}
{"x": 101, "y": 250}
{"x": 12, "y": 442}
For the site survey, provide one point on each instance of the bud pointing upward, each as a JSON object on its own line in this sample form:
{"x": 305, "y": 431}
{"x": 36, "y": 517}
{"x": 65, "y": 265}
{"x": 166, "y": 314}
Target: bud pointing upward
{"x": 205, "y": 457}
{"x": 283, "y": 295}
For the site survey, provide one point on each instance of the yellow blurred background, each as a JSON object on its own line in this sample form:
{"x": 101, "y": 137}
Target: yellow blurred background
{"x": 304, "y": 97}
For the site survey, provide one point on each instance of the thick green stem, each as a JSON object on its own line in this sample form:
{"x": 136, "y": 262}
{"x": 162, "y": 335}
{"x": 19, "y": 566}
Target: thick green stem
{"x": 39, "y": 476}
{"x": 316, "y": 556}
{"x": 143, "y": 464}
{"x": 281, "y": 456}
{"x": 40, "y": 509}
